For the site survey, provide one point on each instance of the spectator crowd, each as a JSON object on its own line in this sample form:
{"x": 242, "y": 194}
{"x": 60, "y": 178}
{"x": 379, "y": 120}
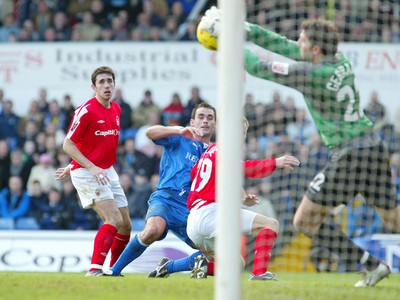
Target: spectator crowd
{"x": 176, "y": 20}
{"x": 31, "y": 151}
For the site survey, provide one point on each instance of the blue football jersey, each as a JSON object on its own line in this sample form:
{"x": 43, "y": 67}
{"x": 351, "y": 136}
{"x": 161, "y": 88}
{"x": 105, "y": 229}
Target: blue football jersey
{"x": 178, "y": 158}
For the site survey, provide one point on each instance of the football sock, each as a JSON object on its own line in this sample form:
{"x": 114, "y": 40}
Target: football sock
{"x": 263, "y": 250}
{"x": 102, "y": 244}
{"x": 118, "y": 245}
{"x": 183, "y": 264}
{"x": 369, "y": 262}
{"x": 330, "y": 236}
{"x": 211, "y": 265}
{"x": 133, "y": 250}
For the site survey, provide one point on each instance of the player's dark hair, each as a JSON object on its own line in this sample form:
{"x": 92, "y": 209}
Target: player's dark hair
{"x": 102, "y": 70}
{"x": 322, "y": 33}
{"x": 203, "y": 105}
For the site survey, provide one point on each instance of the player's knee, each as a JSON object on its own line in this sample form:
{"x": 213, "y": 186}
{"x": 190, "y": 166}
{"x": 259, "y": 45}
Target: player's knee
{"x": 125, "y": 227}
{"x": 151, "y": 233}
{"x": 261, "y": 222}
{"x": 303, "y": 227}
{"x": 298, "y": 224}
{"x": 272, "y": 224}
{"x": 115, "y": 220}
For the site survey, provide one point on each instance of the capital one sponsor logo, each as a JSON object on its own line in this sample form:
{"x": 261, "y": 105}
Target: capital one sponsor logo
{"x": 28, "y": 259}
{"x": 107, "y": 132}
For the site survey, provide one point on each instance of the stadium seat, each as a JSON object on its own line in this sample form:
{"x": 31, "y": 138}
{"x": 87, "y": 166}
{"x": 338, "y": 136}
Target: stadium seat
{"x": 28, "y": 223}
{"x": 138, "y": 224}
{"x": 6, "y": 223}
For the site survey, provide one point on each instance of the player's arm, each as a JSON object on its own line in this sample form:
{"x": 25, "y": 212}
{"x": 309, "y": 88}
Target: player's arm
{"x": 62, "y": 173}
{"x": 211, "y": 22}
{"x": 292, "y": 74}
{"x": 265, "y": 167}
{"x": 157, "y": 132}
{"x": 273, "y": 42}
{"x": 72, "y": 150}
{"x": 259, "y": 168}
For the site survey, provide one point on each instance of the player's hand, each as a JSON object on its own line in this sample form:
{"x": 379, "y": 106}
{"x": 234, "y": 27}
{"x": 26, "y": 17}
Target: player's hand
{"x": 192, "y": 133}
{"x": 100, "y": 175}
{"x": 287, "y": 162}
{"x": 62, "y": 173}
{"x": 210, "y": 22}
{"x": 250, "y": 200}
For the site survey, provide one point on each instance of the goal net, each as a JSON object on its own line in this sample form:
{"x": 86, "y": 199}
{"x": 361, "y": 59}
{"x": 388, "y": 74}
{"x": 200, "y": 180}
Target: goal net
{"x": 320, "y": 115}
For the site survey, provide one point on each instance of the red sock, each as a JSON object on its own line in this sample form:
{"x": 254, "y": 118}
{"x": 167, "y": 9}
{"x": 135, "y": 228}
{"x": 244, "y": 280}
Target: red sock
{"x": 211, "y": 268}
{"x": 118, "y": 245}
{"x": 262, "y": 250}
{"x": 102, "y": 244}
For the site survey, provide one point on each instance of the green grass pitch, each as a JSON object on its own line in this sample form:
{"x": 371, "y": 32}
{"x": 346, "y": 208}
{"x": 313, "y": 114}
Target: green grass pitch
{"x": 308, "y": 286}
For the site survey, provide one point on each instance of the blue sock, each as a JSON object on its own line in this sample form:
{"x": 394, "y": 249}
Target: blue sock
{"x": 183, "y": 264}
{"x": 132, "y": 251}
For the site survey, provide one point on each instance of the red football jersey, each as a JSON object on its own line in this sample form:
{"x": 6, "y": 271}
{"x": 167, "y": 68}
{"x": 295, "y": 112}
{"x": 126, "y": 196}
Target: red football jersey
{"x": 204, "y": 171}
{"x": 203, "y": 177}
{"x": 95, "y": 131}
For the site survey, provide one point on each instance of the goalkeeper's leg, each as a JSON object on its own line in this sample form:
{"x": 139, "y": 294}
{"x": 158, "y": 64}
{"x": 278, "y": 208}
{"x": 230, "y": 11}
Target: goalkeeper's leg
{"x": 310, "y": 219}
{"x": 390, "y": 217}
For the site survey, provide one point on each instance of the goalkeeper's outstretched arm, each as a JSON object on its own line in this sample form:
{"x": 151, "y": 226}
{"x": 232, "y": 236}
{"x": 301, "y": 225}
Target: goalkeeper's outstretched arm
{"x": 211, "y": 22}
{"x": 293, "y": 74}
{"x": 272, "y": 41}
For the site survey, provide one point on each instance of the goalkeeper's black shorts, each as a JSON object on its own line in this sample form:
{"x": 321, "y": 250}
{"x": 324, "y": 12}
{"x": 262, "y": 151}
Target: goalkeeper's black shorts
{"x": 353, "y": 169}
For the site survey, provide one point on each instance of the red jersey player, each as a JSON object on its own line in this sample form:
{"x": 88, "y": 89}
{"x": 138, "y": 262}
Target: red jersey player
{"x": 202, "y": 220}
{"x": 92, "y": 142}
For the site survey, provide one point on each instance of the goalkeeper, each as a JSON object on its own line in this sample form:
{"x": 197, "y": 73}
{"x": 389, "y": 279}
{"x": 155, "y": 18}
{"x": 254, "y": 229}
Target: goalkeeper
{"x": 359, "y": 161}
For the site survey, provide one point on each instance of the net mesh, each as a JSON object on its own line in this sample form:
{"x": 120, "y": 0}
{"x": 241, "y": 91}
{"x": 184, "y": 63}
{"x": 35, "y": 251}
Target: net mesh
{"x": 327, "y": 132}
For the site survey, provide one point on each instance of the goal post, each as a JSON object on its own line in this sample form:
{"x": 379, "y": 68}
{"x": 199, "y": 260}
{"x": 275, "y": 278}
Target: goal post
{"x": 230, "y": 143}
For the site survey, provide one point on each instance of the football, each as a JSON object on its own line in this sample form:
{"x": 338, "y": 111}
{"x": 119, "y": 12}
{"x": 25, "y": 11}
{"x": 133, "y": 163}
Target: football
{"x": 206, "y": 39}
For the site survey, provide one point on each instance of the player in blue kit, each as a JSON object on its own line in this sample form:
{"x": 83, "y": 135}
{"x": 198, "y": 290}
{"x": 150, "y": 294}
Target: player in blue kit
{"x": 168, "y": 210}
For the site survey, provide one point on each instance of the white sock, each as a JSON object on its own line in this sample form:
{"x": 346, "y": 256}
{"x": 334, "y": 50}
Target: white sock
{"x": 364, "y": 258}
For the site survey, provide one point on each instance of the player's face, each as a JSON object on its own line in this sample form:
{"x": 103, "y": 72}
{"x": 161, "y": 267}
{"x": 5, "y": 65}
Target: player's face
{"x": 305, "y": 47}
{"x": 104, "y": 87}
{"x": 205, "y": 120}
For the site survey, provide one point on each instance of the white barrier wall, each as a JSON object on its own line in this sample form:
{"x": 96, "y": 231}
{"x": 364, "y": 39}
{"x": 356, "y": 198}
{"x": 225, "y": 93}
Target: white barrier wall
{"x": 70, "y": 251}
{"x": 164, "y": 68}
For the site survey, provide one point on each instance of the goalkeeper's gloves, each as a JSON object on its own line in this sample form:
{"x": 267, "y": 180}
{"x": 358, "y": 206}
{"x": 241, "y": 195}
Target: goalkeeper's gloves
{"x": 211, "y": 22}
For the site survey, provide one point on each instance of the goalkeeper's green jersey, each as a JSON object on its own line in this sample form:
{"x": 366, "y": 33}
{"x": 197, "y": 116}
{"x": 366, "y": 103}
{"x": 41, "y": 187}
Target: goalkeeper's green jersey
{"x": 329, "y": 87}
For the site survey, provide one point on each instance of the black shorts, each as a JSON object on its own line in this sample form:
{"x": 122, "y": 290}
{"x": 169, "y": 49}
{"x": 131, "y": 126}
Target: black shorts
{"x": 355, "y": 168}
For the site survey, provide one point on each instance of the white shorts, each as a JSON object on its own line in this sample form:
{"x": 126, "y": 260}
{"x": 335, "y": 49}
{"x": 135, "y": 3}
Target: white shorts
{"x": 90, "y": 191}
{"x": 202, "y": 225}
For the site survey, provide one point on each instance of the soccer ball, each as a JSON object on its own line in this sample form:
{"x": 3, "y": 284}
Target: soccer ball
{"x": 206, "y": 39}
